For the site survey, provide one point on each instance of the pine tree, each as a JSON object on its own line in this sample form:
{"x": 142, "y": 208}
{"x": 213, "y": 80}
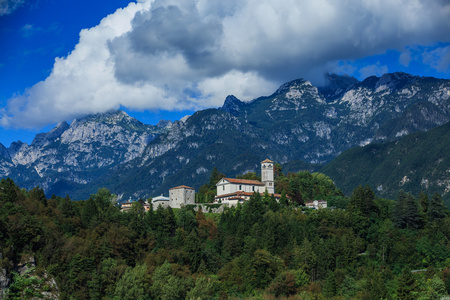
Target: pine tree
{"x": 411, "y": 213}
{"x": 89, "y": 212}
{"x": 362, "y": 201}
{"x": 38, "y": 194}
{"x": 8, "y": 191}
{"x": 273, "y": 204}
{"x": 330, "y": 287}
{"x": 283, "y": 199}
{"x": 399, "y": 208}
{"x": 193, "y": 249}
{"x": 406, "y": 285}
{"x": 436, "y": 208}
{"x": 423, "y": 200}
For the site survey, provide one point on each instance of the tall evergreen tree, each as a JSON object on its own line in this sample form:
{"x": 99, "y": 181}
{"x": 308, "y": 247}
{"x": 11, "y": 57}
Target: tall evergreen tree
{"x": 406, "y": 212}
{"x": 406, "y": 285}
{"x": 423, "y": 200}
{"x": 8, "y": 190}
{"x": 38, "y": 194}
{"x": 89, "y": 212}
{"x": 362, "y": 201}
{"x": 283, "y": 199}
{"x": 411, "y": 213}
{"x": 436, "y": 208}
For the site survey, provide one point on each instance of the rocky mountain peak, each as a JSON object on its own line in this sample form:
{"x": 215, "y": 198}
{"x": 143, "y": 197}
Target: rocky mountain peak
{"x": 111, "y": 119}
{"x": 164, "y": 124}
{"x": 334, "y": 81}
{"x": 3, "y": 151}
{"x": 231, "y": 104}
{"x": 294, "y": 84}
{"x": 336, "y": 85}
{"x": 46, "y": 138}
{"x": 15, "y": 146}
{"x": 394, "y": 81}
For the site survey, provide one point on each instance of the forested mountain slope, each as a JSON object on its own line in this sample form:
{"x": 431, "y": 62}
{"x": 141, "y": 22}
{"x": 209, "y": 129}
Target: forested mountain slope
{"x": 417, "y": 162}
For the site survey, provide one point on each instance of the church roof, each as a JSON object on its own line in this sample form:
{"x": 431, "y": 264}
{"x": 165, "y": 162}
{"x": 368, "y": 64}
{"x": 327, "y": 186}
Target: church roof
{"x": 242, "y": 193}
{"x": 160, "y": 198}
{"x": 266, "y": 161}
{"x": 182, "y": 187}
{"x": 244, "y": 181}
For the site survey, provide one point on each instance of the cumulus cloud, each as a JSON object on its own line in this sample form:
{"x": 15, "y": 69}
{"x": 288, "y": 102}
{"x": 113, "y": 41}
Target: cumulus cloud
{"x": 405, "y": 58}
{"x": 8, "y": 6}
{"x": 373, "y": 70}
{"x": 174, "y": 54}
{"x": 438, "y": 59}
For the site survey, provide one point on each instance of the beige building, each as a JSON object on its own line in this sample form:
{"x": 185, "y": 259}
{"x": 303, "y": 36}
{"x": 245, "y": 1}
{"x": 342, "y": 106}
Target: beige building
{"x": 181, "y": 195}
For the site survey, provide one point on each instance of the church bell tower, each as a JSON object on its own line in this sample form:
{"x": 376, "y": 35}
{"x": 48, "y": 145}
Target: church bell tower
{"x": 267, "y": 175}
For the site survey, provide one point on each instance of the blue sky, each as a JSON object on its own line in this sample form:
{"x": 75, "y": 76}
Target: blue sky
{"x": 61, "y": 60}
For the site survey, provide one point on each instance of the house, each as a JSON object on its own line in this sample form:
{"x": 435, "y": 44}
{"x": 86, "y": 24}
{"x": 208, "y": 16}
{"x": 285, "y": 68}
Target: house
{"x": 126, "y": 206}
{"x": 232, "y": 191}
{"x": 181, "y": 196}
{"x": 316, "y": 204}
{"x": 160, "y": 200}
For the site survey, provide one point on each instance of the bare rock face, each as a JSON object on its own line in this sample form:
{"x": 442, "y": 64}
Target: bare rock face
{"x": 77, "y": 152}
{"x": 5, "y": 281}
{"x": 26, "y": 268}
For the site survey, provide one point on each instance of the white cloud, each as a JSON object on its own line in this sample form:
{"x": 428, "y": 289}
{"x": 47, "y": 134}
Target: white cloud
{"x": 438, "y": 59}
{"x": 373, "y": 70}
{"x": 8, "y": 6}
{"x": 405, "y": 58}
{"x": 173, "y": 54}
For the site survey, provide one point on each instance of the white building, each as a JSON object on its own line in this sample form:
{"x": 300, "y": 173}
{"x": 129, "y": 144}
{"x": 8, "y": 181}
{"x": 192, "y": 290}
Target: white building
{"x": 316, "y": 204}
{"x": 181, "y": 195}
{"x": 267, "y": 175}
{"x": 160, "y": 200}
{"x": 232, "y": 191}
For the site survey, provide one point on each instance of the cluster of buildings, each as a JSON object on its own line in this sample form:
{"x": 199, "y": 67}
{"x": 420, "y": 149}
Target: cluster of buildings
{"x": 230, "y": 192}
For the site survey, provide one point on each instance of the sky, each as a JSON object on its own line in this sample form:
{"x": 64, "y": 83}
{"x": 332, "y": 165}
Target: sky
{"x": 61, "y": 60}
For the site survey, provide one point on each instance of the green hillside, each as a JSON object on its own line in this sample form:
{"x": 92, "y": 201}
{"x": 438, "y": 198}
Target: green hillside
{"x": 417, "y": 162}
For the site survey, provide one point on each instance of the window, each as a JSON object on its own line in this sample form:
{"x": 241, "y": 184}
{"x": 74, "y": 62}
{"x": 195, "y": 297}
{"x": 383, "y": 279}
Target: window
{"x": 253, "y": 188}
{"x": 270, "y": 183}
{"x": 223, "y": 188}
{"x": 240, "y": 187}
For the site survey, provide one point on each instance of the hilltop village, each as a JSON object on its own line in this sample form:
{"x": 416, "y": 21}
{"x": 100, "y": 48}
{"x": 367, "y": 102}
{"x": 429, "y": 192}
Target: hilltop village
{"x": 230, "y": 192}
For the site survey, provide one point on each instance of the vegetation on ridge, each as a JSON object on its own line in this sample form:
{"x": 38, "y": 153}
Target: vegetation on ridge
{"x": 261, "y": 249}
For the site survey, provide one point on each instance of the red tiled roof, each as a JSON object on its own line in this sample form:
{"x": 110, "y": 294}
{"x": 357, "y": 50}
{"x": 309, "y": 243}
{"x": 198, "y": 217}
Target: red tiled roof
{"x": 182, "y": 187}
{"x": 242, "y": 193}
{"x": 267, "y": 161}
{"x": 244, "y": 181}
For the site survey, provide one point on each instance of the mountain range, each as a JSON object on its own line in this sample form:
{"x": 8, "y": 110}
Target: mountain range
{"x": 298, "y": 123}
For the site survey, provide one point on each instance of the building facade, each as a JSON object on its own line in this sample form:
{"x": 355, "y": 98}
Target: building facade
{"x": 181, "y": 195}
{"x": 232, "y": 191}
{"x": 160, "y": 200}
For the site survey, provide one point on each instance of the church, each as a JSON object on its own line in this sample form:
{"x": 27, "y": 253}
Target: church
{"x": 232, "y": 191}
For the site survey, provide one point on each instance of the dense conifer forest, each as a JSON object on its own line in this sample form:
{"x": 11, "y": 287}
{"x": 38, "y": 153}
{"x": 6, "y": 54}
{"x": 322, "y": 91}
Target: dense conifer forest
{"x": 363, "y": 248}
